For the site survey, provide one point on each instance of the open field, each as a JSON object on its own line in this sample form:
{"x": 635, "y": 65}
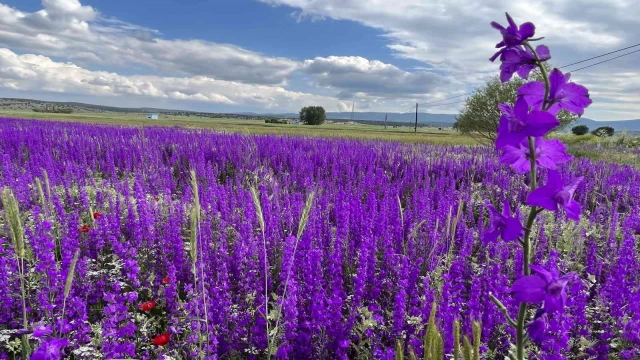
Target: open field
{"x": 122, "y": 247}
{"x": 404, "y": 134}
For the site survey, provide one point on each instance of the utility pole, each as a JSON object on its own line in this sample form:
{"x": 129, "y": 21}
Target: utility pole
{"x": 353, "y": 105}
{"x": 415, "y": 130}
{"x": 385, "y": 121}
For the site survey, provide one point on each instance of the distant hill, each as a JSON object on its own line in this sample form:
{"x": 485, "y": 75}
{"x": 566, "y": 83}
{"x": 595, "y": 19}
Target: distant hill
{"x": 405, "y": 119}
{"x": 620, "y": 125}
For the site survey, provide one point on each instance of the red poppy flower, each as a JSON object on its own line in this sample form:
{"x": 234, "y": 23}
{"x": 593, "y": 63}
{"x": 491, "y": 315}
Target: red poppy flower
{"x": 146, "y": 306}
{"x": 156, "y": 198}
{"x": 165, "y": 281}
{"x": 97, "y": 215}
{"x": 162, "y": 339}
{"x": 85, "y": 228}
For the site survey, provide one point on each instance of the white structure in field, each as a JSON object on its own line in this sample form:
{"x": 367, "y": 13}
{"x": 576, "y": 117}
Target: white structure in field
{"x": 153, "y": 116}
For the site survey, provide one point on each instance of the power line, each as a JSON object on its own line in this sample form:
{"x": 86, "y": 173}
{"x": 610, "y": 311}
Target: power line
{"x": 604, "y": 61}
{"x": 455, "y": 102}
{"x": 599, "y": 56}
{"x": 449, "y": 98}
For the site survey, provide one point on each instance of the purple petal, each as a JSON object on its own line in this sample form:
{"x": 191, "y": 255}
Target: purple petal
{"x": 505, "y": 137}
{"x": 521, "y": 108}
{"x": 575, "y": 99}
{"x": 506, "y": 208}
{"x": 543, "y": 197}
{"x": 554, "y": 181}
{"x": 573, "y": 185}
{"x": 536, "y": 329}
{"x": 497, "y": 26}
{"x": 505, "y": 76}
{"x": 554, "y": 303}
{"x": 516, "y": 157}
{"x": 573, "y": 210}
{"x": 490, "y": 235}
{"x": 524, "y": 70}
{"x": 527, "y": 30}
{"x": 495, "y": 56}
{"x": 511, "y": 22}
{"x": 557, "y": 80}
{"x": 542, "y": 272}
{"x": 543, "y": 52}
{"x": 539, "y": 123}
{"x": 529, "y": 289}
{"x": 533, "y": 93}
{"x": 513, "y": 230}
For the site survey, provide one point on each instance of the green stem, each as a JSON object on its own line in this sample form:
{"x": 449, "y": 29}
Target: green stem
{"x": 547, "y": 87}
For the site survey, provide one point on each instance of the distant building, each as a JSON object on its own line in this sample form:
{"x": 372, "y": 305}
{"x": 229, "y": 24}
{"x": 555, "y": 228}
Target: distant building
{"x": 153, "y": 116}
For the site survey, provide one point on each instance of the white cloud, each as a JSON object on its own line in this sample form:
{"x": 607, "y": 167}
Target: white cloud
{"x": 39, "y": 73}
{"x": 355, "y": 74}
{"x": 66, "y": 28}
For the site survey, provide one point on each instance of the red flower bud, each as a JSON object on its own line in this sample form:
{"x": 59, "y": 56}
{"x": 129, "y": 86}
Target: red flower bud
{"x": 165, "y": 281}
{"x": 85, "y": 228}
{"x": 162, "y": 339}
{"x": 97, "y": 215}
{"x": 146, "y": 306}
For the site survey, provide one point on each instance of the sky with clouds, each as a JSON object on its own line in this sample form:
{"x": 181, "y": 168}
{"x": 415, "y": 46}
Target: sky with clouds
{"x": 280, "y": 55}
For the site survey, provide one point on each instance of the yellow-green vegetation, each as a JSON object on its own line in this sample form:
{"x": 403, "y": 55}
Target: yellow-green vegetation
{"x": 621, "y": 148}
{"x": 403, "y": 134}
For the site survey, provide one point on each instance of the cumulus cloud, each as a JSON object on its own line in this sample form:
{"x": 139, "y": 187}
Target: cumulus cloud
{"x": 39, "y": 73}
{"x": 455, "y": 37}
{"x": 66, "y": 28}
{"x": 355, "y": 74}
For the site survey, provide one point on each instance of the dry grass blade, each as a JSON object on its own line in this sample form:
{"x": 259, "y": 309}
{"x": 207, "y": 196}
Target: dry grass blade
{"x": 256, "y": 203}
{"x": 71, "y": 273}
{"x": 12, "y": 214}
{"x": 304, "y": 219}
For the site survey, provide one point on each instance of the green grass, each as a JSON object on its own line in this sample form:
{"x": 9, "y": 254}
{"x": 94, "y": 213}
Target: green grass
{"x": 403, "y": 134}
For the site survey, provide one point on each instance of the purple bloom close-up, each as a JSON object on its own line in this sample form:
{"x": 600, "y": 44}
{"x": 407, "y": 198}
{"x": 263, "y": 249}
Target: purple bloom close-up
{"x": 554, "y": 194}
{"x": 537, "y": 328}
{"x": 41, "y": 330}
{"x": 563, "y": 95}
{"x": 512, "y": 35}
{"x": 548, "y": 153}
{"x": 544, "y": 286}
{"x": 518, "y": 123}
{"x": 504, "y": 225}
{"x": 521, "y": 60}
{"x": 50, "y": 350}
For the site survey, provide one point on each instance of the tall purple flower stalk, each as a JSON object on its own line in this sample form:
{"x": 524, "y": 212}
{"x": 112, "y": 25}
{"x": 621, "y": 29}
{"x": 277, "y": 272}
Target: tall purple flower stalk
{"x": 532, "y": 117}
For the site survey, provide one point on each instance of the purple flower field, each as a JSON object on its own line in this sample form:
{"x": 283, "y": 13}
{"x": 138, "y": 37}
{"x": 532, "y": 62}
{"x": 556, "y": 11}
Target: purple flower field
{"x": 122, "y": 255}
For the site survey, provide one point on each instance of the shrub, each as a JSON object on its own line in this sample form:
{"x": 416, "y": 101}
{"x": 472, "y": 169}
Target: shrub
{"x": 312, "y": 115}
{"x": 580, "y": 130}
{"x": 603, "y": 131}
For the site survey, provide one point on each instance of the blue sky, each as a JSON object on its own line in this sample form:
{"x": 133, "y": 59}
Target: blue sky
{"x": 280, "y": 55}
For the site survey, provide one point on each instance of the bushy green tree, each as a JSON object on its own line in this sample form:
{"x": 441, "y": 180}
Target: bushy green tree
{"x": 603, "y": 131}
{"x": 580, "y": 130}
{"x": 312, "y": 115}
{"x": 480, "y": 116}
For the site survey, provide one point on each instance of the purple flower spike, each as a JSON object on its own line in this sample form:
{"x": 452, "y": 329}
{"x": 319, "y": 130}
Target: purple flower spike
{"x": 555, "y": 194}
{"x": 562, "y": 94}
{"x": 544, "y": 286}
{"x": 521, "y": 60}
{"x": 512, "y": 35}
{"x": 518, "y": 123}
{"x": 549, "y": 153}
{"x": 503, "y": 224}
{"x": 538, "y": 327}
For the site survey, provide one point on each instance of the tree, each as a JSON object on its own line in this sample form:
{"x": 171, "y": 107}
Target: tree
{"x": 480, "y": 116}
{"x": 312, "y": 115}
{"x": 580, "y": 130}
{"x": 603, "y": 131}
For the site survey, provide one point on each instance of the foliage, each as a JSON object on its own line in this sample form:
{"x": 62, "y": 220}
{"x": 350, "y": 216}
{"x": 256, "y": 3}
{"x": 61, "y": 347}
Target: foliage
{"x": 276, "y": 121}
{"x": 603, "y": 131}
{"x": 580, "y": 130}
{"x": 312, "y": 115}
{"x": 479, "y": 117}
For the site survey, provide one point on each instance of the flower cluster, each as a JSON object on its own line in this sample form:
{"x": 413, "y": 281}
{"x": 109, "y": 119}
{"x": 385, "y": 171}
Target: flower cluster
{"x": 521, "y": 140}
{"x": 392, "y": 229}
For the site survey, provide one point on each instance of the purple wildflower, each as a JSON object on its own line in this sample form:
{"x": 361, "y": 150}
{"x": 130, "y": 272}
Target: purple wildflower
{"x": 562, "y": 94}
{"x": 512, "y": 35}
{"x": 549, "y": 153}
{"x": 521, "y": 60}
{"x": 50, "y": 350}
{"x": 538, "y": 326}
{"x": 517, "y": 123}
{"x": 41, "y": 330}
{"x": 503, "y": 224}
{"x": 555, "y": 194}
{"x": 544, "y": 286}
